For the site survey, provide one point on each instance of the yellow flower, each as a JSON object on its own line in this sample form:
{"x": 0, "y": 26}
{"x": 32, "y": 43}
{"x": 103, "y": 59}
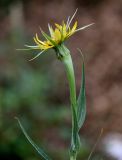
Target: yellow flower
{"x": 57, "y": 35}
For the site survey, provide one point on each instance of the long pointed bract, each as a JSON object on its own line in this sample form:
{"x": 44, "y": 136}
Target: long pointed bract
{"x": 32, "y": 47}
{"x": 67, "y": 22}
{"x": 37, "y": 55}
{"x": 72, "y": 18}
{"x": 84, "y": 27}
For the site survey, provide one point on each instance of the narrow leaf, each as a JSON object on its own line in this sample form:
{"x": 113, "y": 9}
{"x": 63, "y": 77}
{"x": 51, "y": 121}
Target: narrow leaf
{"x": 81, "y": 102}
{"x": 39, "y": 150}
{"x": 75, "y": 136}
{"x": 94, "y": 147}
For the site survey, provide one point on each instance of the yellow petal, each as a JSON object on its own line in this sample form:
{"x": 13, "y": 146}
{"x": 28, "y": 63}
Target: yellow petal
{"x": 57, "y": 35}
{"x": 41, "y": 46}
{"x": 58, "y": 26}
{"x": 74, "y": 27}
{"x": 39, "y": 40}
{"x": 72, "y": 31}
{"x": 35, "y": 40}
{"x": 64, "y": 31}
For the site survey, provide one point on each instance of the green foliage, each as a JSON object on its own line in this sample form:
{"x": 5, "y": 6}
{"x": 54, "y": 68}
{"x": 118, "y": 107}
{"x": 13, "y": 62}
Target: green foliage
{"x": 81, "y": 111}
{"x": 39, "y": 150}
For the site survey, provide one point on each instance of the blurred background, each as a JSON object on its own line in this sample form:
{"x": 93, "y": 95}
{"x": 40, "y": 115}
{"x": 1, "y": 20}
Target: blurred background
{"x": 37, "y": 91}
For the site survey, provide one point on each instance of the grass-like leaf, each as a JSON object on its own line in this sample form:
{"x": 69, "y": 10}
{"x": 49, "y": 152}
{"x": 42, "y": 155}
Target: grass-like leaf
{"x": 94, "y": 147}
{"x": 75, "y": 143}
{"x": 39, "y": 150}
{"x": 81, "y": 102}
{"x": 75, "y": 129}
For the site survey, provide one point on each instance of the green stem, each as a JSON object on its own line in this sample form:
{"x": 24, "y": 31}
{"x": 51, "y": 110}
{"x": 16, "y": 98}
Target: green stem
{"x": 71, "y": 78}
{"x": 64, "y": 55}
{"x": 73, "y": 157}
{"x": 67, "y": 60}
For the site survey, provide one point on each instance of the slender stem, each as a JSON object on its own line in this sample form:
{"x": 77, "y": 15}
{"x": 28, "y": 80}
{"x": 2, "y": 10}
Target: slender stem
{"x": 63, "y": 54}
{"x": 65, "y": 57}
{"x": 67, "y": 60}
{"x": 73, "y": 157}
{"x": 71, "y": 78}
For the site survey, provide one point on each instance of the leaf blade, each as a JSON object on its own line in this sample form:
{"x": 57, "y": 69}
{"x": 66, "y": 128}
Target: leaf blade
{"x": 39, "y": 150}
{"x": 81, "y": 102}
{"x": 75, "y": 143}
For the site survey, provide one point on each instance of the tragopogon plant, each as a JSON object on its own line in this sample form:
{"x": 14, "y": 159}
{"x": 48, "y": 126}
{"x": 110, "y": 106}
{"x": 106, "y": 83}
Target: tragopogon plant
{"x": 56, "y": 41}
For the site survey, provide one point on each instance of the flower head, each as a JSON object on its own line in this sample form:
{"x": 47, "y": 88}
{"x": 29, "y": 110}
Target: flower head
{"x": 57, "y": 35}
